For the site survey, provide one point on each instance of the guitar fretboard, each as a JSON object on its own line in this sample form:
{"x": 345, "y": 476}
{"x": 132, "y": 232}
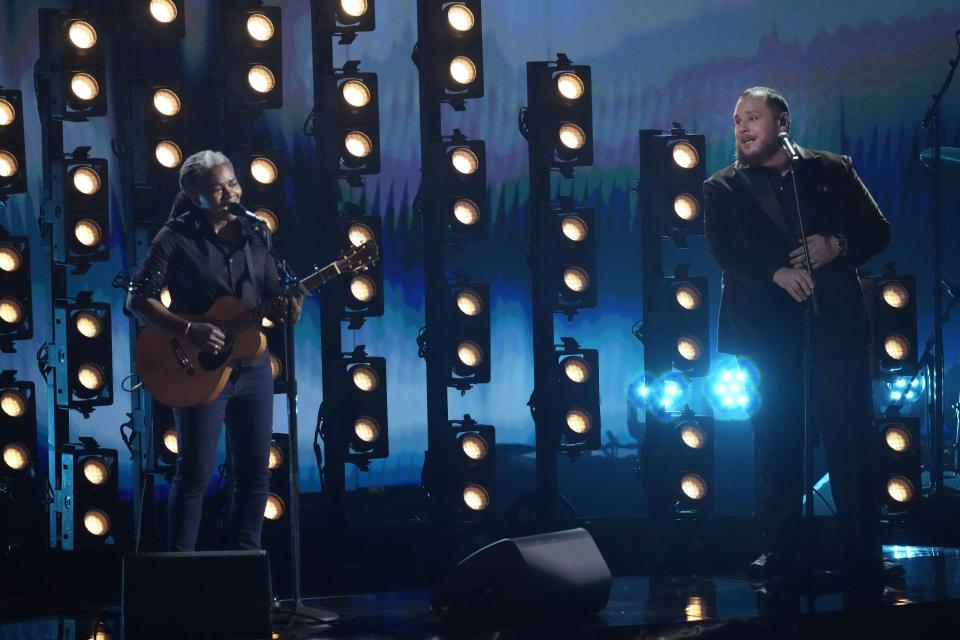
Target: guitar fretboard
{"x": 255, "y": 315}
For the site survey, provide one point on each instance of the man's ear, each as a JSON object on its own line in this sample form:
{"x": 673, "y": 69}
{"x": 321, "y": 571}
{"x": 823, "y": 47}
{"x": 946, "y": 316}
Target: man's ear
{"x": 784, "y": 121}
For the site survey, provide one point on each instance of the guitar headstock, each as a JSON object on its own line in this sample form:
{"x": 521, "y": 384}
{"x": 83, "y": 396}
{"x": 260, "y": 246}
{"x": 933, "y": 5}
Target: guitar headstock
{"x": 357, "y": 259}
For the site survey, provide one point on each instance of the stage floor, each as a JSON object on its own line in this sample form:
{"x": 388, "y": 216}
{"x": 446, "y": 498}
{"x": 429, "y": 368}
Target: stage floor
{"x": 704, "y": 606}
{"x": 922, "y": 602}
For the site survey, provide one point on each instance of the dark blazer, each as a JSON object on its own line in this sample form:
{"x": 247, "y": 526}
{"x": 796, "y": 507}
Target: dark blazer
{"x": 750, "y": 239}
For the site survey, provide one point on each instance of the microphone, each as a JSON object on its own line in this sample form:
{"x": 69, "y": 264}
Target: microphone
{"x": 788, "y": 145}
{"x": 238, "y": 209}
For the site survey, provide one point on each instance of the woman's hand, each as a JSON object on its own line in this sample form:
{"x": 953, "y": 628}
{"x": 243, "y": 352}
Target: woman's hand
{"x": 206, "y": 336}
{"x": 296, "y": 306}
{"x": 292, "y": 304}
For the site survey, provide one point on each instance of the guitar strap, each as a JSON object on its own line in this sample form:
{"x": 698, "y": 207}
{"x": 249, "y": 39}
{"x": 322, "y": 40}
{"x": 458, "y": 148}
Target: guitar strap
{"x": 260, "y": 229}
{"x": 248, "y": 256}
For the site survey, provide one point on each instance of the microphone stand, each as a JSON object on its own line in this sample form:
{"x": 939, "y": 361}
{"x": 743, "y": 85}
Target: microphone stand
{"x": 811, "y": 309}
{"x": 932, "y": 119}
{"x": 296, "y": 609}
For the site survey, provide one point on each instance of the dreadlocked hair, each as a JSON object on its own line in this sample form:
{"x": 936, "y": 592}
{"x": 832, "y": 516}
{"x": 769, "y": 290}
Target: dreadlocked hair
{"x": 192, "y": 172}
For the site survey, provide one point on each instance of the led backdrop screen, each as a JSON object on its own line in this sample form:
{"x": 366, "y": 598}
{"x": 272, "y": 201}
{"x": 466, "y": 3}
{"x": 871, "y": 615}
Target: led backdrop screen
{"x": 858, "y": 76}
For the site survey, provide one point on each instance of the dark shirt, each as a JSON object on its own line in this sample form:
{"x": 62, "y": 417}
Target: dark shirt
{"x": 782, "y": 186}
{"x": 827, "y": 333}
{"x": 749, "y": 232}
{"x": 189, "y": 259}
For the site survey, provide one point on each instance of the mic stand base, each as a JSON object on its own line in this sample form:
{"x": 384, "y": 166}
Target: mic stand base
{"x": 294, "y": 612}
{"x": 289, "y": 612}
{"x": 808, "y": 583}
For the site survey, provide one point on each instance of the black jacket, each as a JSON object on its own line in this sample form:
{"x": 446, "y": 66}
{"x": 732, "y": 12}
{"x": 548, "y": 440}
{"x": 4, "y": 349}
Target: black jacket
{"x": 188, "y": 257}
{"x": 749, "y": 238}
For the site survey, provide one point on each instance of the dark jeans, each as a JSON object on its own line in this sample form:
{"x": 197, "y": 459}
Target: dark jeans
{"x": 842, "y": 414}
{"x": 246, "y": 405}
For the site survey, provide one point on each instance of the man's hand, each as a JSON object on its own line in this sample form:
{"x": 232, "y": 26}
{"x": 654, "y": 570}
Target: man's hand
{"x": 823, "y": 250}
{"x": 796, "y": 282}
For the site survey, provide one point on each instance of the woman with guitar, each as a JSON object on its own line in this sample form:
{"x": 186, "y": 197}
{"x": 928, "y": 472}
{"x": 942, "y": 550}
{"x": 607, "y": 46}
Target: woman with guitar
{"x": 210, "y": 248}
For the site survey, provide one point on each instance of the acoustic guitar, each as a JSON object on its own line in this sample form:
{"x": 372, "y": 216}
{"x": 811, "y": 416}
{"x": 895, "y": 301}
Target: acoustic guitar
{"x": 180, "y": 374}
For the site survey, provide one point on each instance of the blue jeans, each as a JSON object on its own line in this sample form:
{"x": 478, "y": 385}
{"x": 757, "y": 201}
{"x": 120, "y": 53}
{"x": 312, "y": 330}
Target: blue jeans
{"x": 246, "y": 406}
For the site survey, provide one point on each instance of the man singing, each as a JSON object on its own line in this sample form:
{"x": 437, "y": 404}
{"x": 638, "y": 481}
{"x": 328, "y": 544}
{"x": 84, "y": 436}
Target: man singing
{"x": 753, "y": 232}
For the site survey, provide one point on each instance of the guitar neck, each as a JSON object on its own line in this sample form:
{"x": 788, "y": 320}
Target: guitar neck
{"x": 310, "y": 283}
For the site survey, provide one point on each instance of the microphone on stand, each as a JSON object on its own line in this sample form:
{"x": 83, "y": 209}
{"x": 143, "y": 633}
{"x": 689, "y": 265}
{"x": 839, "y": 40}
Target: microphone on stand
{"x": 283, "y": 267}
{"x": 238, "y": 209}
{"x": 793, "y": 152}
{"x": 788, "y": 145}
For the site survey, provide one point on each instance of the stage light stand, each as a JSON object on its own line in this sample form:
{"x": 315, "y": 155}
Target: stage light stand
{"x": 931, "y": 121}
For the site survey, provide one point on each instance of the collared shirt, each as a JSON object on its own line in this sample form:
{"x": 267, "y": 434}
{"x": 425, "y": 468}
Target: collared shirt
{"x": 190, "y": 259}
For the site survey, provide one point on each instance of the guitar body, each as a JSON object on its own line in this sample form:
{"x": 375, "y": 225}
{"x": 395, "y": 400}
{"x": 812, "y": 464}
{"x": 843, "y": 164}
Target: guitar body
{"x": 179, "y": 374}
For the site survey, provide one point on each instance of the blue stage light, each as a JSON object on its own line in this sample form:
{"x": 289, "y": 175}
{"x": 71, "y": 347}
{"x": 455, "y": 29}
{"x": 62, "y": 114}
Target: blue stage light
{"x": 640, "y": 389}
{"x": 671, "y": 389}
{"x": 905, "y": 390}
{"x": 668, "y": 394}
{"x": 734, "y": 393}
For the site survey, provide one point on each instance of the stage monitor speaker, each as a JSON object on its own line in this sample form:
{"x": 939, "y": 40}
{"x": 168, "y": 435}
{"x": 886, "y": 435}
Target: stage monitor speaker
{"x": 205, "y": 594}
{"x": 547, "y": 577}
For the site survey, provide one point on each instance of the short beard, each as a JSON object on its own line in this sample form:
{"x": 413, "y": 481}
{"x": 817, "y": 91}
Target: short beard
{"x": 738, "y": 157}
{"x": 742, "y": 160}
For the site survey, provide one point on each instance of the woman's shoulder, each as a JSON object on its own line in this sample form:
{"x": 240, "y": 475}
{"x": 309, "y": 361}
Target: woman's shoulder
{"x": 175, "y": 231}
{"x": 183, "y": 223}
